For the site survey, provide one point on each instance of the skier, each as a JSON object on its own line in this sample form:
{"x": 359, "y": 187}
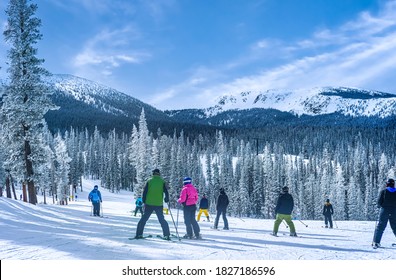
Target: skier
{"x": 153, "y": 197}
{"x": 189, "y": 197}
{"x": 327, "y": 213}
{"x": 203, "y": 208}
{"x": 221, "y": 207}
{"x": 139, "y": 205}
{"x": 387, "y": 204}
{"x": 283, "y": 210}
{"x": 96, "y": 198}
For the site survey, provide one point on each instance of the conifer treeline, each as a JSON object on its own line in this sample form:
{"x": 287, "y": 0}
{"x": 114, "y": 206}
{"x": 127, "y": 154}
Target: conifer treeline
{"x": 349, "y": 170}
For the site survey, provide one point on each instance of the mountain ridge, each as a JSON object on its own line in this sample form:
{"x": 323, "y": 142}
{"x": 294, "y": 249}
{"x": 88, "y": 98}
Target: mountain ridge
{"x": 316, "y": 101}
{"x": 86, "y": 103}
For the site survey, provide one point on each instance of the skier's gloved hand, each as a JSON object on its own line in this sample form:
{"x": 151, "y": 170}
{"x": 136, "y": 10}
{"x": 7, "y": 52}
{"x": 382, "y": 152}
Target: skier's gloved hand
{"x": 166, "y": 199}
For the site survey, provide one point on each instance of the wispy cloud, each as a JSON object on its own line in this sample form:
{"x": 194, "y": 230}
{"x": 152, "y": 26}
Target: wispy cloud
{"x": 108, "y": 50}
{"x": 358, "y": 53}
{"x": 95, "y": 6}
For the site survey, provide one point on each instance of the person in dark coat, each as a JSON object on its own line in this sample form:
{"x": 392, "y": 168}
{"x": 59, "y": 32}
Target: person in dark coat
{"x": 283, "y": 210}
{"x": 221, "y": 207}
{"x": 154, "y": 194}
{"x": 96, "y": 198}
{"x": 387, "y": 204}
{"x": 327, "y": 213}
{"x": 203, "y": 208}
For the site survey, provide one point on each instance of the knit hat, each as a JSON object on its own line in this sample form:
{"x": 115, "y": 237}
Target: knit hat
{"x": 96, "y": 187}
{"x": 390, "y": 183}
{"x": 156, "y": 171}
{"x": 187, "y": 180}
{"x": 285, "y": 189}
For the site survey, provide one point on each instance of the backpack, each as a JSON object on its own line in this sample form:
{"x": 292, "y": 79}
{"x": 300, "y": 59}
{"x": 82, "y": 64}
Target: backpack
{"x": 95, "y": 196}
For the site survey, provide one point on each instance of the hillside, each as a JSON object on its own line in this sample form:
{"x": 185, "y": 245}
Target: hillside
{"x": 86, "y": 104}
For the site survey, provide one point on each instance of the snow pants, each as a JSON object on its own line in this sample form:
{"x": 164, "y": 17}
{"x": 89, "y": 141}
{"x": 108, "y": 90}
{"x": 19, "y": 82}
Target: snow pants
{"x": 386, "y": 214}
{"x": 189, "y": 220}
{"x": 96, "y": 208}
{"x": 288, "y": 220}
{"x": 205, "y": 211}
{"x": 328, "y": 220}
{"x": 148, "y": 210}
{"x": 223, "y": 213}
{"x": 140, "y": 209}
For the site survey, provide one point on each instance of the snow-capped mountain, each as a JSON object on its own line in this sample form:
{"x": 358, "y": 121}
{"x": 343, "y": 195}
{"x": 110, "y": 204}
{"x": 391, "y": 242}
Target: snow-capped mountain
{"x": 86, "y": 104}
{"x": 99, "y": 96}
{"x": 318, "y": 101}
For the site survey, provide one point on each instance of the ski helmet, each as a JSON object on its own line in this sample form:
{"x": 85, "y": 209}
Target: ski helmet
{"x": 187, "y": 180}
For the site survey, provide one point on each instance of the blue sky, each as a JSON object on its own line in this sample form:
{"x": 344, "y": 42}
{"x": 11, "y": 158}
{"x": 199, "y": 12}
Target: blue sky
{"x": 185, "y": 53}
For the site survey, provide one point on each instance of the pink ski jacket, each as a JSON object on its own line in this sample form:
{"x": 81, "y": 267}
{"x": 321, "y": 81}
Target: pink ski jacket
{"x": 188, "y": 195}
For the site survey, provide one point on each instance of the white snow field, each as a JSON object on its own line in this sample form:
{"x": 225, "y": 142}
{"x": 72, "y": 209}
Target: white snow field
{"x": 64, "y": 233}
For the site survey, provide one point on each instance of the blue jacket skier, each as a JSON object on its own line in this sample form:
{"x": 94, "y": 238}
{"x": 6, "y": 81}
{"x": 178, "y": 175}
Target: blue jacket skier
{"x": 139, "y": 205}
{"x": 387, "y": 204}
{"x": 96, "y": 198}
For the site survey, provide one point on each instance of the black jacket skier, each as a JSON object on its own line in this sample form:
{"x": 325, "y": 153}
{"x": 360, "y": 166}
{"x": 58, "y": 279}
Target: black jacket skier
{"x": 221, "y": 207}
{"x": 327, "y": 213}
{"x": 283, "y": 210}
{"x": 387, "y": 203}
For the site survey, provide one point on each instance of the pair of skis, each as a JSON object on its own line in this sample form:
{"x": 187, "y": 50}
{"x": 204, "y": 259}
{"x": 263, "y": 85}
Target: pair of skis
{"x": 163, "y": 238}
{"x": 375, "y": 246}
{"x": 151, "y": 236}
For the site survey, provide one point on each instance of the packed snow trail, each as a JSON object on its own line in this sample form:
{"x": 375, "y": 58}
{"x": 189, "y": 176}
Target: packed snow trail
{"x": 54, "y": 232}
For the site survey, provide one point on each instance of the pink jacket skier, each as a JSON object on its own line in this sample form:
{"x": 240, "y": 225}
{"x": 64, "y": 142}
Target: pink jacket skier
{"x": 189, "y": 197}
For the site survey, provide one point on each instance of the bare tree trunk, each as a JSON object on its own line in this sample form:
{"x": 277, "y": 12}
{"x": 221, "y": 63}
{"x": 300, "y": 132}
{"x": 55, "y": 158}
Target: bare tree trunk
{"x": 45, "y": 198}
{"x": 8, "y": 189}
{"x": 13, "y": 187}
{"x": 24, "y": 192}
{"x": 29, "y": 173}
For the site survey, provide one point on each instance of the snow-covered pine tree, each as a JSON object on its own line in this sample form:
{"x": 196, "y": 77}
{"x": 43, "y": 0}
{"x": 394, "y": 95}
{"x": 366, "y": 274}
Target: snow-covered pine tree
{"x": 271, "y": 189}
{"x": 26, "y": 99}
{"x": 62, "y": 169}
{"x": 338, "y": 193}
{"x": 143, "y": 161}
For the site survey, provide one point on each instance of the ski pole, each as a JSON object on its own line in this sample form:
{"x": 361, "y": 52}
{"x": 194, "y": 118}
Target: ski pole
{"x": 91, "y": 210}
{"x": 170, "y": 212}
{"x": 285, "y": 223}
{"x": 211, "y": 217}
{"x": 101, "y": 209}
{"x": 375, "y": 227}
{"x": 303, "y": 223}
{"x": 177, "y": 217}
